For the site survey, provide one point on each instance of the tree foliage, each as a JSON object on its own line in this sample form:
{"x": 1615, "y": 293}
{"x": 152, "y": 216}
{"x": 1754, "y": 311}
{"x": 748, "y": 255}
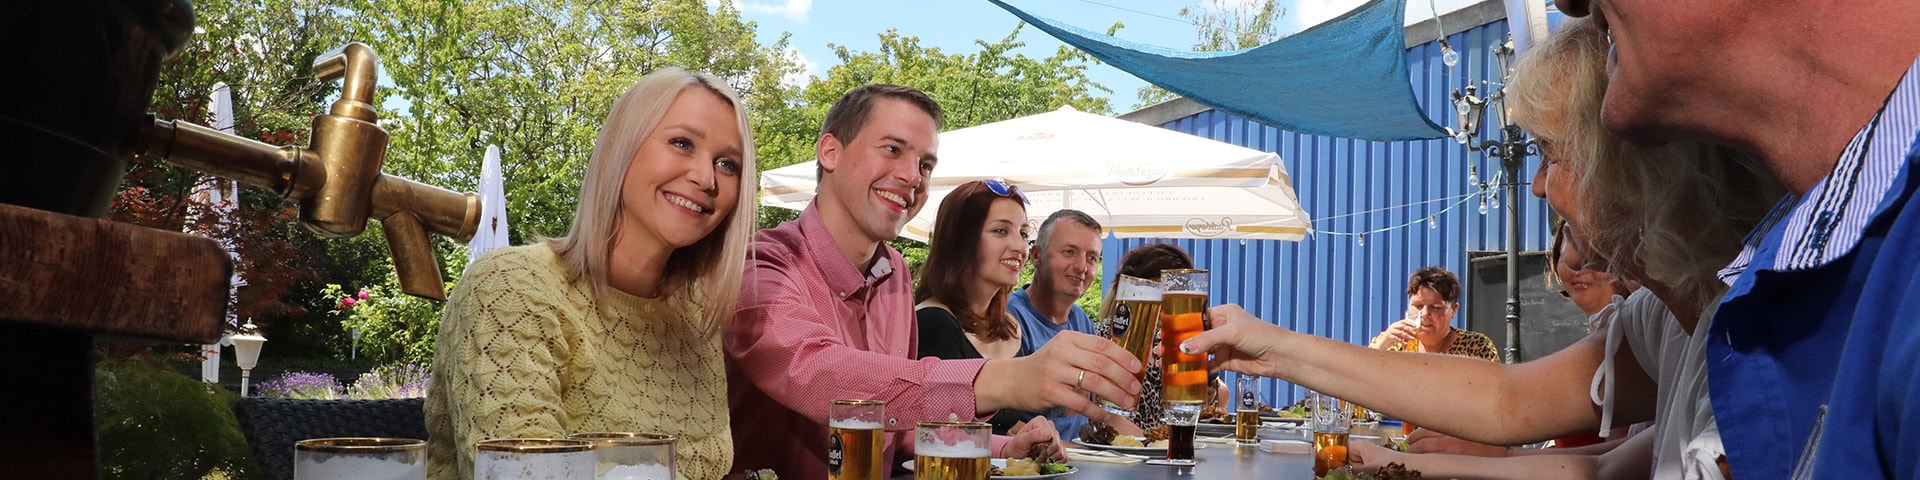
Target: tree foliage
{"x": 1224, "y": 26}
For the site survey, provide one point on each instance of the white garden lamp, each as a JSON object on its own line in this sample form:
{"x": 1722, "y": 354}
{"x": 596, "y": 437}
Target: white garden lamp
{"x": 246, "y": 352}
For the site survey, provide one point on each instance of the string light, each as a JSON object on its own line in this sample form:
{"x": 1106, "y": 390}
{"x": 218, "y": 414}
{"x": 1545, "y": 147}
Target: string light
{"x": 1431, "y": 224}
{"x": 1432, "y": 219}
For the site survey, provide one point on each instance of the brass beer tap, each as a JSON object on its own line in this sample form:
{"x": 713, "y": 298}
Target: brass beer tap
{"x": 337, "y": 179}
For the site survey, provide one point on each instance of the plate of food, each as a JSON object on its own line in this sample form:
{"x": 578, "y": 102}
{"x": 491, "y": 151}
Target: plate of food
{"x": 1099, "y": 436}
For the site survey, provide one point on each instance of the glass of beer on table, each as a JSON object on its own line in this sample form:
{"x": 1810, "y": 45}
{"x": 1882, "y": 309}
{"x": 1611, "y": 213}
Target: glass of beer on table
{"x": 1132, "y": 319}
{"x": 631, "y": 456}
{"x": 1246, "y": 415}
{"x": 952, "y": 450}
{"x": 1183, "y": 309}
{"x": 1331, "y": 423}
{"x": 856, "y": 429}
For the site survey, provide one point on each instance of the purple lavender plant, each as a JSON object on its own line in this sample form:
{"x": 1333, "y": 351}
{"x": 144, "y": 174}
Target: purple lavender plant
{"x": 391, "y": 381}
{"x": 302, "y": 385}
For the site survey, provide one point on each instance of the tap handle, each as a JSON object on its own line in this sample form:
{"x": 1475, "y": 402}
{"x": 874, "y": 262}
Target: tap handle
{"x": 360, "y": 68}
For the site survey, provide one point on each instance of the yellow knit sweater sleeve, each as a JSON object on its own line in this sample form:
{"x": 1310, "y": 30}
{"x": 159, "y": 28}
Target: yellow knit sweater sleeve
{"x": 497, "y": 362}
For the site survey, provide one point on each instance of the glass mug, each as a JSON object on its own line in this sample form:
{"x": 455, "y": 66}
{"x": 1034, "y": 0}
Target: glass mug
{"x": 357, "y": 458}
{"x": 1183, "y": 377}
{"x": 1132, "y": 319}
{"x": 1246, "y": 415}
{"x": 631, "y": 456}
{"x": 952, "y": 451}
{"x": 1331, "y": 424}
{"x": 856, "y": 431}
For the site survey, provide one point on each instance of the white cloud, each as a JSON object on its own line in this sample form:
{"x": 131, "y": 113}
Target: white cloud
{"x": 794, "y": 9}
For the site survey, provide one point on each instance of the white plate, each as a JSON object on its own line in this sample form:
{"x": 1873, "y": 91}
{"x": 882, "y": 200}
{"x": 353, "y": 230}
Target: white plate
{"x": 1158, "y": 450}
{"x": 1002, "y": 463}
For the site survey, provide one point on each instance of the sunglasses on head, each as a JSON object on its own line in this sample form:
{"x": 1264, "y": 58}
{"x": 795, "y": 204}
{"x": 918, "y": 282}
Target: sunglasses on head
{"x": 1001, "y": 188}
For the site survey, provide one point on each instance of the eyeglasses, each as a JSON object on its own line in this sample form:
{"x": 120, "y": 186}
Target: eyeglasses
{"x": 1001, "y": 188}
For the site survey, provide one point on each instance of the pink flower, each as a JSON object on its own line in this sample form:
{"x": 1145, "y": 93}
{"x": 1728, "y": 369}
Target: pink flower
{"x": 364, "y": 294}
{"x": 340, "y": 305}
{"x": 349, "y": 301}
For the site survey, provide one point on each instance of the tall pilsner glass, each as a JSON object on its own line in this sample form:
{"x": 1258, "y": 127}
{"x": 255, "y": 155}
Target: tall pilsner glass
{"x": 1132, "y": 318}
{"x": 1183, "y": 309}
{"x": 855, "y": 434}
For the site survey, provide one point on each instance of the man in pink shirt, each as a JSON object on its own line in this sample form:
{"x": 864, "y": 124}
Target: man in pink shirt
{"x": 826, "y": 311}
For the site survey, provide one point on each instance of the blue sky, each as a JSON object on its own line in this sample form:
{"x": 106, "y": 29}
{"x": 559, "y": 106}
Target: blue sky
{"x": 953, "y": 25}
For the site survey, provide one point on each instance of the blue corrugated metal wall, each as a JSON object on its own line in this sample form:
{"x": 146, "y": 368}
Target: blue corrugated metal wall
{"x": 1335, "y": 286}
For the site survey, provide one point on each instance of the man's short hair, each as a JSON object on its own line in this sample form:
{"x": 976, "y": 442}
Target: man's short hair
{"x": 1046, "y": 228}
{"x": 849, "y": 114}
{"x": 1439, "y": 279}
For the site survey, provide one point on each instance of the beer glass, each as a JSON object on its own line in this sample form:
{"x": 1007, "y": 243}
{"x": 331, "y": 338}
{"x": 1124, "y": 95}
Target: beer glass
{"x": 856, "y": 430}
{"x": 631, "y": 456}
{"x": 1331, "y": 424}
{"x": 1132, "y": 318}
{"x": 1246, "y": 417}
{"x": 1183, "y": 309}
{"x": 357, "y": 458}
{"x": 952, "y": 450}
{"x": 534, "y": 459}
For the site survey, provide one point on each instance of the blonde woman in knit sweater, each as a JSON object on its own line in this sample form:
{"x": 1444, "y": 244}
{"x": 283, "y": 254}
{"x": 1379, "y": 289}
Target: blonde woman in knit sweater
{"x": 614, "y": 327}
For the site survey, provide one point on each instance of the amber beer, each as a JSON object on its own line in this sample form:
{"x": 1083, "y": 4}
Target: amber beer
{"x": 854, "y": 436}
{"x": 1329, "y": 452}
{"x": 1132, "y": 321}
{"x": 952, "y": 451}
{"x": 1246, "y": 416}
{"x": 1185, "y": 375}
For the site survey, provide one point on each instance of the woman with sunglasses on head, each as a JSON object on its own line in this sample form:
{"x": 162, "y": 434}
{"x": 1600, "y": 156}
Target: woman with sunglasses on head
{"x": 974, "y": 257}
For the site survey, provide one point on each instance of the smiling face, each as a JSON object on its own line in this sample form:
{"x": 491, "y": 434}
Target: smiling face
{"x": 1003, "y": 243}
{"x": 684, "y": 181}
{"x": 1074, "y": 250}
{"x": 879, "y": 176}
{"x": 1589, "y": 289}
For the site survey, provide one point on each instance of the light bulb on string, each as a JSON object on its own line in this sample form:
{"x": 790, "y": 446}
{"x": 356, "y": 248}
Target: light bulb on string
{"x": 1495, "y": 197}
{"x": 1361, "y": 238}
{"x": 1473, "y": 175}
{"x": 1448, "y": 56}
{"x": 1483, "y": 205}
{"x": 1432, "y": 224}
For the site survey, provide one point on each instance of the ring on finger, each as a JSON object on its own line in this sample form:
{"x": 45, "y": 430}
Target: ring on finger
{"x": 1082, "y": 380}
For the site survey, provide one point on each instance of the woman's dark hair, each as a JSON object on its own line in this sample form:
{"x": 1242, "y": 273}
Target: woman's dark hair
{"x": 953, "y": 260}
{"x": 1439, "y": 279}
{"x": 1146, "y": 261}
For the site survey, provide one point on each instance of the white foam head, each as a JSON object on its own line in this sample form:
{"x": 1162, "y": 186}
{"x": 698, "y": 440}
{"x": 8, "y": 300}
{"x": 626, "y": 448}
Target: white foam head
{"x": 961, "y": 449}
{"x": 855, "y": 424}
{"x": 1186, "y": 292}
{"x": 1136, "y": 291}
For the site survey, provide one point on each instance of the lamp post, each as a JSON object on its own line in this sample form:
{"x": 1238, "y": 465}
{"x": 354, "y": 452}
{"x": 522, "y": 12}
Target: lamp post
{"x": 246, "y": 352}
{"x": 1512, "y": 148}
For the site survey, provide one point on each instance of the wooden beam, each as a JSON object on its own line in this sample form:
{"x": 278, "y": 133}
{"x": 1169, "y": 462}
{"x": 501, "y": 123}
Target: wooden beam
{"x": 111, "y": 278}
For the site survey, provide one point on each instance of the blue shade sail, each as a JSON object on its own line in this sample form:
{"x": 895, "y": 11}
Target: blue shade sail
{"x": 1344, "y": 78}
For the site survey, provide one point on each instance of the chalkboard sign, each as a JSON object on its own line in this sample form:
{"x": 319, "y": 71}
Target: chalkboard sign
{"x": 1548, "y": 322}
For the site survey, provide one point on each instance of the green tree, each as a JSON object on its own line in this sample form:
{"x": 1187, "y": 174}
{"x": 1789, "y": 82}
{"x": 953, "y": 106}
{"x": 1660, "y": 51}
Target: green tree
{"x": 1221, "y": 28}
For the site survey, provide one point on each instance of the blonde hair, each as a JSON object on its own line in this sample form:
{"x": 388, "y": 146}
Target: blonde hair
{"x": 1673, "y": 214}
{"x": 708, "y": 271}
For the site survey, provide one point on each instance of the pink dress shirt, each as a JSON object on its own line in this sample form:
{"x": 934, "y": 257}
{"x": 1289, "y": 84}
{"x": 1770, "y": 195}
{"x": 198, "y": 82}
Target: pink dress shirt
{"x": 812, "y": 328}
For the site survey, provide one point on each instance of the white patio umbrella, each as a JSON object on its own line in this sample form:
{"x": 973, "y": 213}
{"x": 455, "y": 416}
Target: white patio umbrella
{"x": 1137, "y": 180}
{"x": 493, "y": 208}
{"x": 223, "y": 196}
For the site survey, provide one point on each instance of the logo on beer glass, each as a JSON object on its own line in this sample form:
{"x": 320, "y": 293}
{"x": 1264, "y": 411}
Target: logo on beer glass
{"x": 834, "y": 454}
{"x": 1122, "y": 317}
{"x": 1246, "y": 400}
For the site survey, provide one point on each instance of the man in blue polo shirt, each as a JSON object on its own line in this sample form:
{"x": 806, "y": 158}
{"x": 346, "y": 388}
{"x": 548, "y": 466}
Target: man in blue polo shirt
{"x": 1813, "y": 360}
{"x": 1064, "y": 256}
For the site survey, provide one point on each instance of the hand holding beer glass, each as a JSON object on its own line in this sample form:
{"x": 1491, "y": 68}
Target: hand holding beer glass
{"x": 1132, "y": 318}
{"x": 856, "y": 430}
{"x": 952, "y": 451}
{"x": 1183, "y": 307}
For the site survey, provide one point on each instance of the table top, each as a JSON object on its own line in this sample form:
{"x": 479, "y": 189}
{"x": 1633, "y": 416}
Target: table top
{"x": 1228, "y": 461}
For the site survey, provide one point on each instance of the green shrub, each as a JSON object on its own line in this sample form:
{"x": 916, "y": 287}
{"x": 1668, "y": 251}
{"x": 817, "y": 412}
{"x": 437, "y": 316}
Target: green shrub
{"x": 158, "y": 424}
